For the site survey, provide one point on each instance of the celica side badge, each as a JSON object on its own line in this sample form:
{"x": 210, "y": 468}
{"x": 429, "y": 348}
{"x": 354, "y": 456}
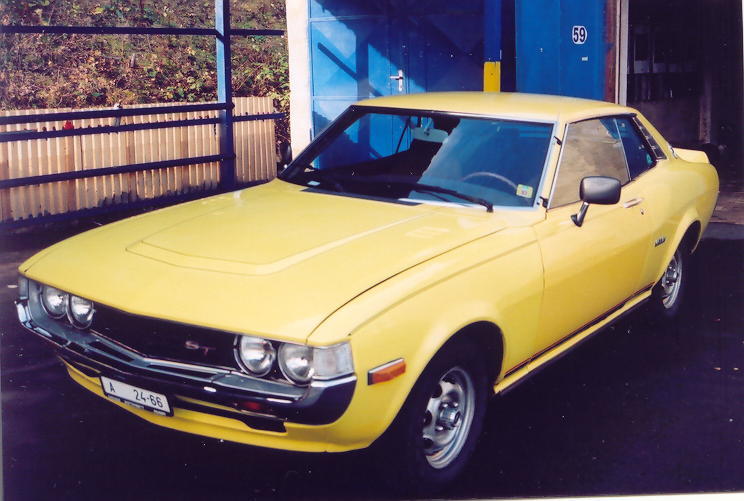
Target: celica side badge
{"x": 659, "y": 241}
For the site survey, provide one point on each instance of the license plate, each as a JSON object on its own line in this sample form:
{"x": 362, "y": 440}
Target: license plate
{"x": 138, "y": 397}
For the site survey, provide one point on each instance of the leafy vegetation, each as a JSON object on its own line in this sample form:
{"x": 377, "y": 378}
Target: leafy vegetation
{"x": 57, "y": 71}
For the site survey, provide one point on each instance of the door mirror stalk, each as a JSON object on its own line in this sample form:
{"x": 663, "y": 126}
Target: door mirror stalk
{"x": 600, "y": 190}
{"x": 578, "y": 218}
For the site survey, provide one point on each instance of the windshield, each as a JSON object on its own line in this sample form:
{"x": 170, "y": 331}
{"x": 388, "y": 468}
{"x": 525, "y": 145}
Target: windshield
{"x": 420, "y": 156}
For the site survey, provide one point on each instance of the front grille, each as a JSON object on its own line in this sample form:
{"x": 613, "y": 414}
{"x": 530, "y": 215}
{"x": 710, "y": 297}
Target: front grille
{"x": 166, "y": 340}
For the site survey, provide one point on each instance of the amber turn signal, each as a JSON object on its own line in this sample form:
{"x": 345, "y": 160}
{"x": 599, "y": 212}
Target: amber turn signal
{"x": 386, "y": 372}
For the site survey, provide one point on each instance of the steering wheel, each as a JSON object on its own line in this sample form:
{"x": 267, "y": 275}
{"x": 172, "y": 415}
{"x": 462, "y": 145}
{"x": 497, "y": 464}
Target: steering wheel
{"x": 492, "y": 175}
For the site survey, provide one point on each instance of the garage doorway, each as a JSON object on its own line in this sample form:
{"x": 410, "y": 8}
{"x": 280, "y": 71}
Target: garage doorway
{"x": 681, "y": 66}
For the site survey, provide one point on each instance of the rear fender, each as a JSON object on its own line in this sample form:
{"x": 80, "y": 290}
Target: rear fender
{"x": 694, "y": 156}
{"x": 689, "y": 220}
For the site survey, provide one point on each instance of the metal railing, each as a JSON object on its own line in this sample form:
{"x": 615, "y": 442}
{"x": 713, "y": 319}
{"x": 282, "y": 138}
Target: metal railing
{"x": 222, "y": 32}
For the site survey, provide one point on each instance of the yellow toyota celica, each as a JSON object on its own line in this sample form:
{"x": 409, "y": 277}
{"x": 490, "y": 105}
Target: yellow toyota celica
{"x": 423, "y": 253}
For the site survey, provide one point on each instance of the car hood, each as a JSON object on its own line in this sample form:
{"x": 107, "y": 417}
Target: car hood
{"x": 272, "y": 260}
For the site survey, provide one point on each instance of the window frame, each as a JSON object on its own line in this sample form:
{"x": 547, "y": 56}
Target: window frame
{"x": 639, "y": 128}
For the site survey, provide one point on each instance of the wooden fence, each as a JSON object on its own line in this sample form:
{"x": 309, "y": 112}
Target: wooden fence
{"x": 254, "y": 149}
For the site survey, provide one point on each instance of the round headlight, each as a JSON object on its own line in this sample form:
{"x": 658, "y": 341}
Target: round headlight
{"x": 296, "y": 362}
{"x": 54, "y": 301}
{"x": 81, "y": 312}
{"x": 256, "y": 354}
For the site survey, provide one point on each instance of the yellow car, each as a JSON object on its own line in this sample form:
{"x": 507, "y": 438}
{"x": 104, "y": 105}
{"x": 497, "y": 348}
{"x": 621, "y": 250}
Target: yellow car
{"x": 423, "y": 253}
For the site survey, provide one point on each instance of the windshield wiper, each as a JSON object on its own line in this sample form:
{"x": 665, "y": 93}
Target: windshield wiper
{"x": 420, "y": 187}
{"x": 423, "y": 188}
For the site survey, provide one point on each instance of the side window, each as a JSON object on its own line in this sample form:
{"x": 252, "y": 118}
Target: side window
{"x": 590, "y": 148}
{"x": 638, "y": 156}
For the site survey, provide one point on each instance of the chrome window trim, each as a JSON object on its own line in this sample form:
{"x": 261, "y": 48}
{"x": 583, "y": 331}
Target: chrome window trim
{"x": 622, "y": 147}
{"x": 558, "y": 169}
{"x": 651, "y": 142}
{"x": 543, "y": 179}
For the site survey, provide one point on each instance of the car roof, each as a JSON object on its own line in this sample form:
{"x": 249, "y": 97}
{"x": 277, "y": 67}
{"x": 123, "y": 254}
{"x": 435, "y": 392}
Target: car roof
{"x": 537, "y": 107}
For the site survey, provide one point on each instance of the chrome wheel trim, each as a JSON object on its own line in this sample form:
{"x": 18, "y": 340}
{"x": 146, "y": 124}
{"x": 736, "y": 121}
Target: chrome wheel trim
{"x": 448, "y": 417}
{"x": 671, "y": 283}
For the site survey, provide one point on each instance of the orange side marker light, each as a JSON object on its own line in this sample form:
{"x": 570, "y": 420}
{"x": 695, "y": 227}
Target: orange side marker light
{"x": 386, "y": 372}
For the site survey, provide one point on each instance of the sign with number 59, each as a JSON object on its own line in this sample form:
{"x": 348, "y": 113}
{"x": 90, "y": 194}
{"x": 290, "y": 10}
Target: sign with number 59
{"x": 579, "y": 34}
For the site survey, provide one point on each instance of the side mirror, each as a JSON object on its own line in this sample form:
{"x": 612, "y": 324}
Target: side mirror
{"x": 285, "y": 156}
{"x": 600, "y": 190}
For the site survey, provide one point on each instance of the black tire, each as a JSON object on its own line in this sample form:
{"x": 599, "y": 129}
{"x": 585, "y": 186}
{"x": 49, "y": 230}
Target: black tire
{"x": 410, "y": 462}
{"x": 668, "y": 294}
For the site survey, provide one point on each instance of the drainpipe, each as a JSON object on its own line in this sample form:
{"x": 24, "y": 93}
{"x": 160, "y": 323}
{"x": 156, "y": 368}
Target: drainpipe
{"x": 224, "y": 93}
{"x": 491, "y": 45}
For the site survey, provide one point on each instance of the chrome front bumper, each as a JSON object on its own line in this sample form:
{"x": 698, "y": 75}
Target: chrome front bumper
{"x": 272, "y": 402}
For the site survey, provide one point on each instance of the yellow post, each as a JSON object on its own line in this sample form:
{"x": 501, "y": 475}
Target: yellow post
{"x": 492, "y": 76}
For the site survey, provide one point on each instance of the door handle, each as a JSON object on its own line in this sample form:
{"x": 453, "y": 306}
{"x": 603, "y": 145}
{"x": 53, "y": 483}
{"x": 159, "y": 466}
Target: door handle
{"x": 632, "y": 202}
{"x": 399, "y": 77}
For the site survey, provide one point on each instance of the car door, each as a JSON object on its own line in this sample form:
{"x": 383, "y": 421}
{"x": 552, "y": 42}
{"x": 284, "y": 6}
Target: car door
{"x": 592, "y": 269}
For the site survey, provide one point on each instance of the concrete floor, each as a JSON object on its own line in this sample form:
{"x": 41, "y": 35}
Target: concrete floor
{"x": 636, "y": 409}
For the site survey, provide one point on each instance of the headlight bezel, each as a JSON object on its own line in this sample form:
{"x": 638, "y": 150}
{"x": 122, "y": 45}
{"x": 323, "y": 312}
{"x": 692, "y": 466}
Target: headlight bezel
{"x": 76, "y": 322}
{"x": 66, "y": 309}
{"x": 43, "y": 290}
{"x": 323, "y": 363}
{"x": 287, "y": 371}
{"x": 269, "y": 349}
{"x": 326, "y": 362}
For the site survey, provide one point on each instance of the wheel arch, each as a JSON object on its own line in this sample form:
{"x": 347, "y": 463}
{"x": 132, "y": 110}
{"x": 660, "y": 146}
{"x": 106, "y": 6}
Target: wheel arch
{"x": 691, "y": 237}
{"x": 687, "y": 236}
{"x": 485, "y": 335}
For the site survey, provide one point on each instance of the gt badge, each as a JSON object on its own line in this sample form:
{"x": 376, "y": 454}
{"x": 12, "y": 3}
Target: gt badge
{"x": 193, "y": 345}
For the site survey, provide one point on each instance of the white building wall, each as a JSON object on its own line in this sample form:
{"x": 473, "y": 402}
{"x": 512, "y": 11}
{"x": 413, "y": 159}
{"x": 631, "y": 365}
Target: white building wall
{"x": 300, "y": 117}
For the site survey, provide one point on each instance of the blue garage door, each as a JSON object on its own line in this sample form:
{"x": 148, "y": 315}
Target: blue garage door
{"x": 560, "y": 47}
{"x": 357, "y": 45}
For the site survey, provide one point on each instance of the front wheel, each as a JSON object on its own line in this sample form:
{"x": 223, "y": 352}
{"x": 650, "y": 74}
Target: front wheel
{"x": 436, "y": 431}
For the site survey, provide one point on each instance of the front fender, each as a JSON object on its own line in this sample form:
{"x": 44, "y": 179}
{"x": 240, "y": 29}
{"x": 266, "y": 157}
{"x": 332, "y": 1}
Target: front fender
{"x": 414, "y": 314}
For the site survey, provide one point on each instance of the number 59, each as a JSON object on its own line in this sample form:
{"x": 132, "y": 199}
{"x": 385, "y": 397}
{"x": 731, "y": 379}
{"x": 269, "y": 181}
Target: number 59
{"x": 578, "y": 34}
